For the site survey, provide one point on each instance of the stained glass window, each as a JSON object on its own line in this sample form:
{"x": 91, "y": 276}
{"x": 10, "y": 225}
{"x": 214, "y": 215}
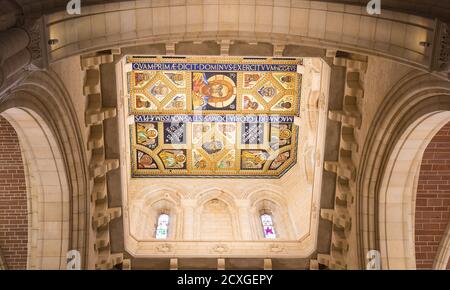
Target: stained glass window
{"x": 267, "y": 223}
{"x": 162, "y": 229}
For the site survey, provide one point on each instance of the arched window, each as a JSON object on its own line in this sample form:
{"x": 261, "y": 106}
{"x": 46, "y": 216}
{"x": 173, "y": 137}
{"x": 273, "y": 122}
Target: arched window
{"x": 268, "y": 228}
{"x": 162, "y": 229}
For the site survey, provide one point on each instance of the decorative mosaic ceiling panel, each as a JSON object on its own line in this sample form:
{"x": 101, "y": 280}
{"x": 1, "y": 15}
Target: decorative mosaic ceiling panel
{"x": 214, "y": 117}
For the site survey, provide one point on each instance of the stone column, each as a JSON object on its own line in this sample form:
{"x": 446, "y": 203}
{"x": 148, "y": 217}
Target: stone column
{"x": 244, "y": 219}
{"x": 188, "y": 218}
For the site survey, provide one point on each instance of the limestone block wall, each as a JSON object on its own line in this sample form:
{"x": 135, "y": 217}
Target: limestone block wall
{"x": 216, "y": 222}
{"x": 13, "y": 200}
{"x": 381, "y": 76}
{"x": 70, "y": 73}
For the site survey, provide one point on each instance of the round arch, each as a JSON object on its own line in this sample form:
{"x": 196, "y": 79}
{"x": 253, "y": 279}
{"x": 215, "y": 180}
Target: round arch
{"x": 398, "y": 191}
{"x": 47, "y": 190}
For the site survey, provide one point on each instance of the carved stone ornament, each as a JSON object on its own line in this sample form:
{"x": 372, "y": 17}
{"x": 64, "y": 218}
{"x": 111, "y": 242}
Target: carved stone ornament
{"x": 220, "y": 249}
{"x": 164, "y": 248}
{"x": 276, "y": 248}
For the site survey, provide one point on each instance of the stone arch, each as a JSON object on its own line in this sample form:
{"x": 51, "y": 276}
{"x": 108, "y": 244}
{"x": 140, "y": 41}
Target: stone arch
{"x": 39, "y": 109}
{"x": 47, "y": 189}
{"x": 409, "y": 116}
{"x": 398, "y": 191}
